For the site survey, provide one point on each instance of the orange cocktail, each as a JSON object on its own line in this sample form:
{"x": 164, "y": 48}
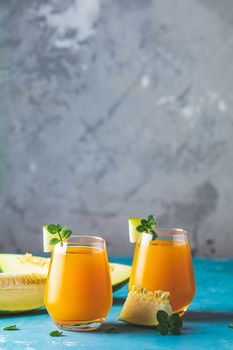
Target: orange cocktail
{"x": 166, "y": 264}
{"x": 78, "y": 293}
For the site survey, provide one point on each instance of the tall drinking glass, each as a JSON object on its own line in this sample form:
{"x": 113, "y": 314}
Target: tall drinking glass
{"x": 78, "y": 292}
{"x": 165, "y": 264}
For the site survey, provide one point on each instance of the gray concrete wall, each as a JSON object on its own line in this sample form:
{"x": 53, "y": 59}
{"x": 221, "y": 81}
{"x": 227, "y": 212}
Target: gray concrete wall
{"x": 116, "y": 108}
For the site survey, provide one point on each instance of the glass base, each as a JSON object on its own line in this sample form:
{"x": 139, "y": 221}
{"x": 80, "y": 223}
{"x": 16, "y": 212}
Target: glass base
{"x": 182, "y": 311}
{"x": 80, "y": 326}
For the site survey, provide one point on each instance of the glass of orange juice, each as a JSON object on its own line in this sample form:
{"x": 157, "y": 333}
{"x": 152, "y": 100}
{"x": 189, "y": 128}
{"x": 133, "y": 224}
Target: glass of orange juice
{"x": 165, "y": 264}
{"x": 78, "y": 292}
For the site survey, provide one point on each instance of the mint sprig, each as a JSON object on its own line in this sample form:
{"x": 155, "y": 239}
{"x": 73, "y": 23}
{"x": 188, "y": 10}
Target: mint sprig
{"x": 148, "y": 225}
{"x": 230, "y": 325}
{"x": 62, "y": 233}
{"x": 11, "y": 328}
{"x": 169, "y": 324}
{"x": 56, "y": 334}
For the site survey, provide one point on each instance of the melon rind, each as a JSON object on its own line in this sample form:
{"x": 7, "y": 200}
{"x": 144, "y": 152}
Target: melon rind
{"x": 120, "y": 274}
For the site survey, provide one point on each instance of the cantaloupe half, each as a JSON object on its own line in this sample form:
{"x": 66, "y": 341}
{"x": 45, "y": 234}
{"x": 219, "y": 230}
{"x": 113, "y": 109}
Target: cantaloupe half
{"x": 23, "y": 277}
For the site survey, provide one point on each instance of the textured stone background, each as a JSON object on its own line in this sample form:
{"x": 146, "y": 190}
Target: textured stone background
{"x": 116, "y": 108}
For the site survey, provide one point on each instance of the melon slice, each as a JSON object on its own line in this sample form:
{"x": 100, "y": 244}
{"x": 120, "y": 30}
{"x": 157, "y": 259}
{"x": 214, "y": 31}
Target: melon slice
{"x": 23, "y": 277}
{"x": 134, "y": 235}
{"x": 119, "y": 275}
{"x": 141, "y": 306}
{"x": 22, "y": 281}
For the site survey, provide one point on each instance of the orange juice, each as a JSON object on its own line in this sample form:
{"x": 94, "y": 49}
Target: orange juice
{"x": 78, "y": 288}
{"x": 166, "y": 265}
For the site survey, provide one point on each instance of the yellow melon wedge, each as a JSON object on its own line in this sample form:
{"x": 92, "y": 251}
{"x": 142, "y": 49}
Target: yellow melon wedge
{"x": 21, "y": 292}
{"x": 22, "y": 282}
{"x": 141, "y": 306}
{"x": 134, "y": 235}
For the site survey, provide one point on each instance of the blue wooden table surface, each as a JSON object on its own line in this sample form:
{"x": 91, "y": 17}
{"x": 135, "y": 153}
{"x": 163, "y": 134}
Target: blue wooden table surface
{"x": 205, "y": 324}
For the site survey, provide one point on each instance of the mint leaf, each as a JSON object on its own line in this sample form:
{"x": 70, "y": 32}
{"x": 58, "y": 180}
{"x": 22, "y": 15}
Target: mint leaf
{"x": 151, "y": 219}
{"x": 56, "y": 334}
{"x": 154, "y": 235}
{"x": 11, "y": 328}
{"x": 66, "y": 234}
{"x": 140, "y": 228}
{"x": 175, "y": 320}
{"x": 230, "y": 325}
{"x": 162, "y": 318}
{"x": 163, "y": 330}
{"x": 63, "y": 231}
{"x": 144, "y": 222}
{"x": 54, "y": 241}
{"x": 59, "y": 227}
{"x": 52, "y": 229}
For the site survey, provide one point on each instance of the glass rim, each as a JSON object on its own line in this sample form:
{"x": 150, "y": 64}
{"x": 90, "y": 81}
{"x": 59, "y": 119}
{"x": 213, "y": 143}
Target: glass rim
{"x": 95, "y": 239}
{"x": 172, "y": 231}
